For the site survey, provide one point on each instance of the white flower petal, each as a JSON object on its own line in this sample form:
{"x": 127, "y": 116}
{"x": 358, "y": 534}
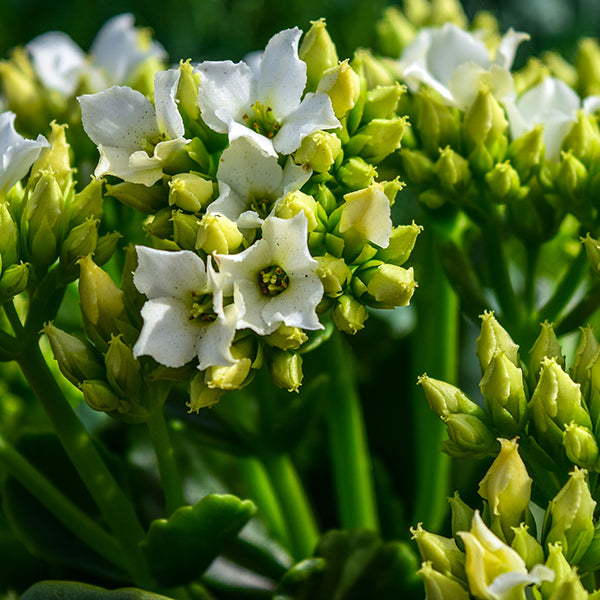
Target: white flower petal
{"x": 503, "y": 586}
{"x": 591, "y": 104}
{"x": 287, "y": 240}
{"x": 505, "y": 54}
{"x": 294, "y": 176}
{"x": 551, "y": 94}
{"x": 214, "y": 340}
{"x": 135, "y": 167}
{"x": 167, "y": 114}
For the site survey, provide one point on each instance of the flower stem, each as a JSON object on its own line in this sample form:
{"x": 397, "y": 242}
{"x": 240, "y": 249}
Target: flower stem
{"x": 116, "y": 508}
{"x": 355, "y": 490}
{"x": 165, "y": 455}
{"x": 69, "y": 514}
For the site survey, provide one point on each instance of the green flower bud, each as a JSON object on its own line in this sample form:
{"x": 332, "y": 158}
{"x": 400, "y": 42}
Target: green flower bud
{"x": 76, "y": 358}
{"x": 571, "y": 589}
{"x": 14, "y": 280}
{"x": 356, "y": 174}
{"x": 81, "y": 241}
{"x": 161, "y": 224}
{"x": 9, "y": 237}
{"x": 503, "y": 182}
{"x": 571, "y": 177}
{"x": 580, "y": 445}
{"x": 462, "y": 516}
{"x": 231, "y": 377}
{"x": 190, "y": 192}
{"x": 452, "y": 171}
{"x": 446, "y": 399}
{"x": 286, "y": 338}
{"x": 560, "y": 68}
{"x": 502, "y": 387}
{"x": 55, "y": 160}
{"x": 217, "y": 233}
{"x": 418, "y": 168}
{"x": 378, "y": 139}
{"x": 448, "y": 11}
{"x": 185, "y": 229}
{"x": 87, "y": 203}
{"x": 325, "y": 198}
{"x": 527, "y": 547}
{"x": 342, "y": 85}
{"x": 389, "y": 285}
{"x": 198, "y": 152}
{"x": 584, "y": 358}
{"x": 123, "y": 370}
{"x": 492, "y": 339}
{"x": 334, "y": 274}
{"x": 202, "y": 396}
{"x": 147, "y": 200}
{"x": 319, "y": 151}
{"x": 587, "y": 64}
{"x": 562, "y": 571}
{"x": 484, "y": 116}
{"x": 99, "y": 396}
{"x": 296, "y": 202}
{"x": 527, "y": 151}
{"x": 592, "y": 249}
{"x": 394, "y": 32}
{"x": 569, "y": 518}
{"x": 545, "y": 346}
{"x": 469, "y": 436}
{"x": 382, "y": 102}
{"x": 583, "y": 139}
{"x": 480, "y": 160}
{"x": 440, "y": 551}
{"x": 318, "y": 51}
{"x": 106, "y": 246}
{"x": 507, "y": 488}
{"x": 439, "y": 586}
{"x": 437, "y": 125}
{"x": 348, "y": 314}
{"x": 286, "y": 370}
{"x": 187, "y": 91}
{"x": 591, "y": 559}
{"x": 418, "y": 12}
{"x": 402, "y": 242}
{"x": 371, "y": 71}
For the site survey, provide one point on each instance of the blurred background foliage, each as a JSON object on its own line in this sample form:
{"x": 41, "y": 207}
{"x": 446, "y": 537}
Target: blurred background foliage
{"x": 218, "y": 29}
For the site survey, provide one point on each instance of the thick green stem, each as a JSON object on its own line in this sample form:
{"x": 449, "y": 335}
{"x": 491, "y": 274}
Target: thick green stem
{"x": 303, "y": 530}
{"x": 116, "y": 508}
{"x": 532, "y": 255}
{"x": 170, "y": 476}
{"x": 351, "y": 461}
{"x": 69, "y": 514}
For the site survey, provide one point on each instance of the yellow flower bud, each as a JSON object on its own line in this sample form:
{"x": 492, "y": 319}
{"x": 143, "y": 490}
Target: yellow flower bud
{"x": 319, "y": 151}
{"x": 390, "y": 285}
{"x": 372, "y": 72}
{"x": 201, "y": 396}
{"x": 217, "y": 233}
{"x": 286, "y": 370}
{"x": 188, "y": 90}
{"x": 296, "y": 202}
{"x": 342, "y": 85}
{"x": 348, "y": 314}
{"x": 148, "y": 200}
{"x": 190, "y": 191}
{"x": 286, "y": 338}
{"x": 334, "y": 274}
{"x": 587, "y": 64}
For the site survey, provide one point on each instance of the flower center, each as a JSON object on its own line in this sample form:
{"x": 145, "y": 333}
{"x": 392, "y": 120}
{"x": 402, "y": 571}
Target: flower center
{"x": 261, "y": 205}
{"x": 202, "y": 308}
{"x": 262, "y": 120}
{"x": 273, "y": 280}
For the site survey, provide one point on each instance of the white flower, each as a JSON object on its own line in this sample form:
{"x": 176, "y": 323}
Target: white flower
{"x": 274, "y": 281}
{"x": 17, "y": 153}
{"x": 455, "y": 63}
{"x": 184, "y": 317}
{"x": 134, "y": 138}
{"x": 266, "y": 103}
{"x": 116, "y": 53}
{"x": 553, "y": 104}
{"x": 251, "y": 182}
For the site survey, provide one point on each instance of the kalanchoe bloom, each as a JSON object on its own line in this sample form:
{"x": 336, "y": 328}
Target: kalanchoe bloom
{"x": 251, "y": 182}
{"x": 183, "y": 318}
{"x": 553, "y": 104}
{"x": 274, "y": 281}
{"x": 264, "y": 103}
{"x": 455, "y": 63}
{"x": 17, "y": 154}
{"x": 134, "y": 138}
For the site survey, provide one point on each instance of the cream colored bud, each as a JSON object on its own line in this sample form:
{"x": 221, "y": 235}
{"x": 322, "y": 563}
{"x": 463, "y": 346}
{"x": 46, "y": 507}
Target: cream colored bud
{"x": 217, "y": 233}
{"x": 296, "y": 202}
{"x": 440, "y": 551}
{"x": 402, "y": 242}
{"x": 391, "y": 285}
{"x": 348, "y": 314}
{"x": 334, "y": 274}
{"x": 286, "y": 338}
{"x": 187, "y": 91}
{"x": 202, "y": 396}
{"x": 319, "y": 151}
{"x": 190, "y": 191}
{"x": 580, "y": 445}
{"x": 286, "y": 370}
{"x": 342, "y": 85}
{"x": 56, "y": 159}
{"x": 371, "y": 71}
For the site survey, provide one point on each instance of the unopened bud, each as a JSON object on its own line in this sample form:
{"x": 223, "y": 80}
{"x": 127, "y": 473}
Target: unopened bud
{"x": 371, "y": 71}
{"x": 319, "y": 151}
{"x": 161, "y": 224}
{"x": 394, "y": 32}
{"x": 106, "y": 246}
{"x": 436, "y": 124}
{"x": 448, "y": 11}
{"x": 56, "y": 160}
{"x": 147, "y": 200}
{"x": 592, "y": 249}
{"x": 503, "y": 182}
{"x": 469, "y": 436}
{"x": 484, "y": 116}
{"x": 526, "y": 152}
{"x": 318, "y": 51}
{"x": 583, "y": 139}
{"x": 442, "y": 552}
{"x": 81, "y": 241}
{"x": 452, "y": 171}
{"x": 401, "y": 244}
{"x": 418, "y": 167}
{"x": 527, "y": 547}
{"x": 545, "y": 346}
{"x": 580, "y": 445}
{"x": 87, "y": 203}
{"x": 286, "y": 338}
{"x": 286, "y": 370}
{"x": 355, "y": 173}
{"x": 378, "y": 138}
{"x": 492, "y": 339}
{"x": 562, "y": 571}
{"x": 342, "y": 85}
{"x": 325, "y": 198}
{"x": 187, "y": 91}
{"x": 217, "y": 233}
{"x": 296, "y": 202}
{"x": 382, "y": 102}
{"x": 587, "y": 63}
{"x": 9, "y": 237}
{"x": 185, "y": 229}
{"x": 99, "y": 396}
{"x": 446, "y": 399}
{"x": 348, "y": 314}
{"x": 334, "y": 274}
{"x": 190, "y": 192}
{"x": 585, "y": 354}
{"x": 201, "y": 396}
{"x": 462, "y": 516}
{"x": 123, "y": 370}
{"x": 439, "y": 586}
{"x": 389, "y": 285}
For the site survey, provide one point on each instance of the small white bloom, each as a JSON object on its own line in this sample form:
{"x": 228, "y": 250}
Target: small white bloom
{"x": 553, "y": 104}
{"x": 455, "y": 63}
{"x": 17, "y": 153}
{"x": 184, "y": 316}
{"x": 264, "y": 102}
{"x": 251, "y": 182}
{"x": 274, "y": 281}
{"x": 134, "y": 138}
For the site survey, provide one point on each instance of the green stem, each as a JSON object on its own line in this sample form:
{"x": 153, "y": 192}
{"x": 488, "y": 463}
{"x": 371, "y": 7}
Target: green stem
{"x": 69, "y": 514}
{"x": 116, "y": 508}
{"x": 262, "y": 492}
{"x": 170, "y": 476}
{"x": 303, "y": 530}
{"x": 353, "y": 477}
{"x": 531, "y": 257}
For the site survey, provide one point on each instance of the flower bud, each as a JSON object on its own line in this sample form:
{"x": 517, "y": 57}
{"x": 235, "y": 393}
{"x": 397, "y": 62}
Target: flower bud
{"x": 571, "y": 589}
{"x": 371, "y": 71}
{"x": 462, "y": 515}
{"x": 187, "y": 91}
{"x": 469, "y": 436}
{"x": 122, "y": 369}
{"x": 56, "y": 160}
{"x": 286, "y": 370}
{"x": 201, "y": 396}
{"x": 580, "y": 445}
{"x": 382, "y": 102}
{"x": 334, "y": 274}
{"x": 355, "y": 173}
{"x": 583, "y": 139}
{"x": 319, "y": 151}
{"x": 507, "y": 488}
{"x": 9, "y": 237}
{"x": 401, "y": 244}
{"x": 587, "y": 63}
{"x": 286, "y": 338}
{"x": 418, "y": 167}
{"x": 440, "y": 551}
{"x": 571, "y": 177}
{"x": 448, "y": 11}
{"x": 452, "y": 171}
{"x": 545, "y": 346}
{"x": 389, "y": 285}
{"x": 377, "y": 139}
{"x": 318, "y": 51}
{"x": 185, "y": 229}
{"x": 446, "y": 399}
{"x": 503, "y": 182}
{"x": 81, "y": 241}
{"x": 480, "y": 160}
{"x": 99, "y": 396}
{"x": 437, "y": 124}
{"x": 560, "y": 567}
{"x": 190, "y": 192}
{"x": 342, "y": 85}
{"x": 592, "y": 249}
{"x": 502, "y": 387}
{"x": 217, "y": 233}
{"x": 296, "y": 202}
{"x": 484, "y": 116}
{"x": 527, "y": 547}
{"x": 348, "y": 314}
{"x": 87, "y": 203}
{"x": 105, "y": 247}
{"x": 76, "y": 358}
{"x": 147, "y": 200}
{"x": 584, "y": 358}
{"x": 527, "y": 151}
{"x": 439, "y": 586}
{"x": 394, "y": 32}
{"x": 161, "y": 224}
{"x": 492, "y": 339}
{"x": 325, "y": 198}
{"x": 14, "y": 280}
{"x": 231, "y": 377}
{"x": 570, "y": 517}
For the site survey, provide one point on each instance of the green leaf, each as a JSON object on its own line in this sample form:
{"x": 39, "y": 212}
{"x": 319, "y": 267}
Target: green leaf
{"x": 72, "y": 590}
{"x": 179, "y": 549}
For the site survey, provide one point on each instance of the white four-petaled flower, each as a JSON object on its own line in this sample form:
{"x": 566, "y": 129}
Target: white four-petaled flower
{"x": 264, "y": 103}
